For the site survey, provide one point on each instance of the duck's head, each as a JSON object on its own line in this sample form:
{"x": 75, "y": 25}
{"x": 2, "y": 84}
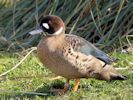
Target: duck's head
{"x": 51, "y": 24}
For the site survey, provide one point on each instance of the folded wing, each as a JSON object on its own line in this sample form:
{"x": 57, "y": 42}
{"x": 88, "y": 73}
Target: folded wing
{"x": 81, "y": 45}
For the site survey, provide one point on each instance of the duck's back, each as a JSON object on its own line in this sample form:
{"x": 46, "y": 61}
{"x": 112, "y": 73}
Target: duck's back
{"x": 81, "y": 45}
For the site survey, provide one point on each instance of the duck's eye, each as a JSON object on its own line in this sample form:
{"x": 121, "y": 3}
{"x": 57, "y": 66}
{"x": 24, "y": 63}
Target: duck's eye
{"x": 45, "y": 25}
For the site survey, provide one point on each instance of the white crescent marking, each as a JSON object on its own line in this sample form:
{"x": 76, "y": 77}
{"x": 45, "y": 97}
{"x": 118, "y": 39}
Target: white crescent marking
{"x": 58, "y": 31}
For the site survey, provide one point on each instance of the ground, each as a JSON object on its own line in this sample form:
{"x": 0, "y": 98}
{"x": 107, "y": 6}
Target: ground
{"x": 31, "y": 81}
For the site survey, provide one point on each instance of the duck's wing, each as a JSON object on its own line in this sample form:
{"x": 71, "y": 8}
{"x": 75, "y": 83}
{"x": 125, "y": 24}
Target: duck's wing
{"x": 81, "y": 45}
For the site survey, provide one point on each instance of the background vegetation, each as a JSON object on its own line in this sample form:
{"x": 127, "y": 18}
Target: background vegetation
{"x": 107, "y": 23}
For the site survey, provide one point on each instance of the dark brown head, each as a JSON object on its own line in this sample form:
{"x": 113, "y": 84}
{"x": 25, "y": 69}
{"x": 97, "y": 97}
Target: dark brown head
{"x": 51, "y": 24}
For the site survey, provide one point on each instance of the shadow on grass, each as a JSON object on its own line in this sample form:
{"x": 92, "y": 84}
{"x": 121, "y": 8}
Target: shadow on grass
{"x": 45, "y": 91}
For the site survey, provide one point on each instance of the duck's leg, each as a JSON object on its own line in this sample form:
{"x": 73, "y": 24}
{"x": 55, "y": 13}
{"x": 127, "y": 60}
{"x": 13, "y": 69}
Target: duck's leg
{"x": 64, "y": 90}
{"x": 75, "y": 88}
{"x": 66, "y": 86}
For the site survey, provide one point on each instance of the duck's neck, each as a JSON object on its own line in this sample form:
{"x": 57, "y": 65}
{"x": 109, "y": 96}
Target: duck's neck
{"x": 55, "y": 41}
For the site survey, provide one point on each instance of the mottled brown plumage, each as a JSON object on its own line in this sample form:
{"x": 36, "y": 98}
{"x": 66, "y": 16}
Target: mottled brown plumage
{"x": 61, "y": 57}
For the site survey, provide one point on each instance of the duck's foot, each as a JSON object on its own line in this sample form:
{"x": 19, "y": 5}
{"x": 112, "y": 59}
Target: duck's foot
{"x": 61, "y": 91}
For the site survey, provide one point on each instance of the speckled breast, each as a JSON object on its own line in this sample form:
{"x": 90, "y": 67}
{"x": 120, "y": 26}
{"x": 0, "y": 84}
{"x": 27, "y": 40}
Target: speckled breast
{"x": 54, "y": 60}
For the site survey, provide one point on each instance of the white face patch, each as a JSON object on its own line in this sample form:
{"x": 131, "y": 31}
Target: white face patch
{"x": 59, "y": 31}
{"x": 45, "y": 25}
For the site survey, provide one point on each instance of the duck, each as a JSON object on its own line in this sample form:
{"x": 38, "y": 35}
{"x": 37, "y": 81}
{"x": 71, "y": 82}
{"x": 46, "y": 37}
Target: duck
{"x": 71, "y": 56}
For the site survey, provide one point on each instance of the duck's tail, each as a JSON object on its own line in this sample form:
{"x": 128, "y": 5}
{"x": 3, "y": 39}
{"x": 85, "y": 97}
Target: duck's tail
{"x": 109, "y": 73}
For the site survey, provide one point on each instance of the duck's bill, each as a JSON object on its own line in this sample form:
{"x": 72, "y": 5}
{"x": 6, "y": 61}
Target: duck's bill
{"x": 37, "y": 31}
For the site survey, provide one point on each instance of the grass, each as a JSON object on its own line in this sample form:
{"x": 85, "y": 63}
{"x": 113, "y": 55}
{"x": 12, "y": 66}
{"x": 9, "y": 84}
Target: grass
{"x": 31, "y": 81}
